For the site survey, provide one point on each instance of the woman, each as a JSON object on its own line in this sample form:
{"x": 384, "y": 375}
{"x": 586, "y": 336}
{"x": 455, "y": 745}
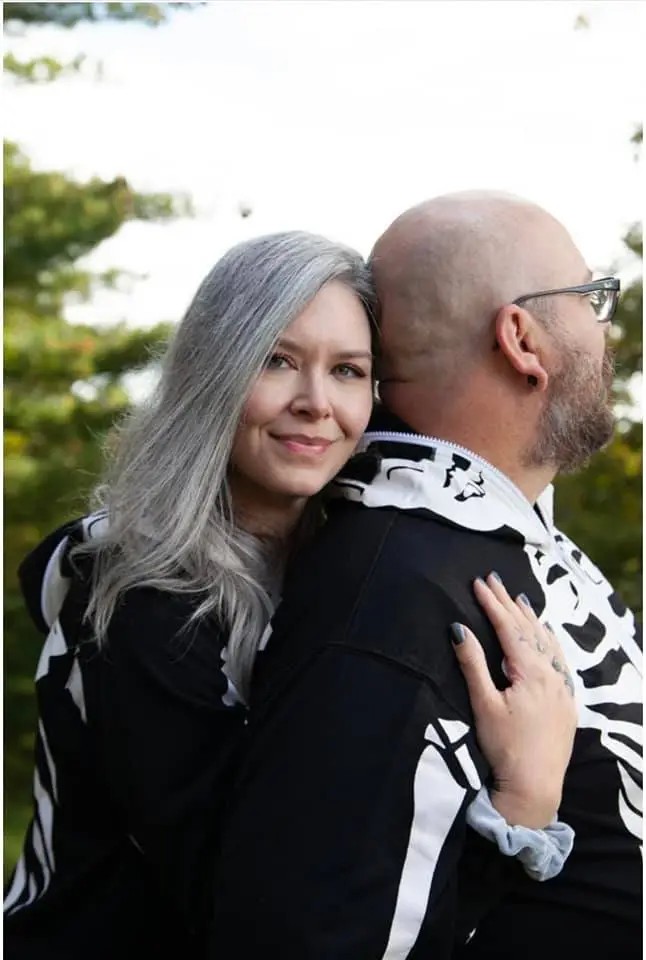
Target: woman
{"x": 155, "y": 615}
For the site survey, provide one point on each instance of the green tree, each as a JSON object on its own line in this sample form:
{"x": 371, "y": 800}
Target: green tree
{"x": 601, "y": 509}
{"x": 64, "y": 383}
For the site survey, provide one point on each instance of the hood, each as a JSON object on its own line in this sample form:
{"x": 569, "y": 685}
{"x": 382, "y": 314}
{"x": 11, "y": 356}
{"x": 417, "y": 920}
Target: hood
{"x": 398, "y": 468}
{"x": 45, "y": 574}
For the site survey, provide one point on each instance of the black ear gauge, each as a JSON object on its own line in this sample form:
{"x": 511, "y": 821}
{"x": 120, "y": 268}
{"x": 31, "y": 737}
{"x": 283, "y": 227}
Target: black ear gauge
{"x": 532, "y": 380}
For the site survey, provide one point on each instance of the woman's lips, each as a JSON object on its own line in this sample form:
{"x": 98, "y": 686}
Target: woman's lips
{"x": 303, "y": 445}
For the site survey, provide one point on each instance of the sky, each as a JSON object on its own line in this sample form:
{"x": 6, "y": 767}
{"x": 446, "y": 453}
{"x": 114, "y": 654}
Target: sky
{"x": 334, "y": 116}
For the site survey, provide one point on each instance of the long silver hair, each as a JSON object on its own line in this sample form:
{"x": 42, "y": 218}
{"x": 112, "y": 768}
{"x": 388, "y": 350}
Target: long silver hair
{"x": 171, "y": 525}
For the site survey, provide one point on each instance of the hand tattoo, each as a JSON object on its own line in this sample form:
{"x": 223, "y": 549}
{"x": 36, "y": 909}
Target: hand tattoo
{"x": 569, "y": 683}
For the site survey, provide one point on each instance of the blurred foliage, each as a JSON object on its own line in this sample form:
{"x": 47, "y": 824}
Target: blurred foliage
{"x": 19, "y": 16}
{"x": 40, "y": 69}
{"x": 16, "y": 16}
{"x": 63, "y": 383}
{"x": 601, "y": 509}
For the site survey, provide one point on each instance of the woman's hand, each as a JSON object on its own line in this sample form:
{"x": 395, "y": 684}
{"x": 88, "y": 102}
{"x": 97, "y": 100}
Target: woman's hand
{"x": 526, "y": 731}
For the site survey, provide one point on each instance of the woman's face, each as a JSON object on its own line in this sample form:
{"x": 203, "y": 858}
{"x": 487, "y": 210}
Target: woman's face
{"x": 309, "y": 406}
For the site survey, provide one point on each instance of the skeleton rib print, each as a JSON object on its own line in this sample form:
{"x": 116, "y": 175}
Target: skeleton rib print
{"x": 598, "y": 634}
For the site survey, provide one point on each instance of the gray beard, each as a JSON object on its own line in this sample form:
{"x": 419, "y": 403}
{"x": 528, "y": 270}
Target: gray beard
{"x": 578, "y": 419}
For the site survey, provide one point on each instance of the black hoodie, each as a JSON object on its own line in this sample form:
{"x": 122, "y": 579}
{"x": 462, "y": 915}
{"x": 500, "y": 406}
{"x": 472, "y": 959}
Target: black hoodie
{"x": 134, "y": 752}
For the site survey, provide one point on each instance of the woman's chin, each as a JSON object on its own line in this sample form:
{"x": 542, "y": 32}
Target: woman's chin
{"x": 303, "y": 491}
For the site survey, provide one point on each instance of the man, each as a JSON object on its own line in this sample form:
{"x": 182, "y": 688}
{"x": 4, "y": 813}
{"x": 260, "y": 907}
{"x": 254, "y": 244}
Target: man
{"x": 346, "y": 837}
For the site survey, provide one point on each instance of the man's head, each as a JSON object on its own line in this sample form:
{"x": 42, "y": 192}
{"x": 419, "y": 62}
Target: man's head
{"x": 457, "y": 348}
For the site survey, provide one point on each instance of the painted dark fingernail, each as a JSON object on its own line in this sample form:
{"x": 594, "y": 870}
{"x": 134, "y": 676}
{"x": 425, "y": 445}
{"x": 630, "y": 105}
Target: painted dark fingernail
{"x": 548, "y": 626}
{"x": 458, "y": 633}
{"x": 524, "y": 599}
{"x": 496, "y": 576}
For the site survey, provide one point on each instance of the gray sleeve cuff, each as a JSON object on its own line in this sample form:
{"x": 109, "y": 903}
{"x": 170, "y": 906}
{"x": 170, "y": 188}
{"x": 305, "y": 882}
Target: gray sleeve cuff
{"x": 541, "y": 852}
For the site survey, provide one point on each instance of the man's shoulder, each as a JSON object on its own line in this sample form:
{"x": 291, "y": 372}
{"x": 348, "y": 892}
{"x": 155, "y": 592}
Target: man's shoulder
{"x": 392, "y": 547}
{"x": 335, "y": 570}
{"x": 366, "y": 532}
{"x": 382, "y": 582}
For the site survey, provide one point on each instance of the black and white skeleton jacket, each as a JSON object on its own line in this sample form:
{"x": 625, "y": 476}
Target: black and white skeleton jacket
{"x": 134, "y": 753}
{"x": 347, "y": 834}
{"x": 134, "y": 757}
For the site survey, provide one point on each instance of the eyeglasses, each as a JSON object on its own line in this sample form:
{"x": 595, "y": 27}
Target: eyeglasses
{"x": 604, "y": 296}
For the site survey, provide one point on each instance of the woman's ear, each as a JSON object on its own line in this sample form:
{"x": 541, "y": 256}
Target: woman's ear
{"x": 519, "y": 337}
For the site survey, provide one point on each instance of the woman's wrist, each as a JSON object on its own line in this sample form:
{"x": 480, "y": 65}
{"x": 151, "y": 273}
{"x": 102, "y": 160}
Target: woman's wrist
{"x": 532, "y": 811}
{"x": 542, "y": 851}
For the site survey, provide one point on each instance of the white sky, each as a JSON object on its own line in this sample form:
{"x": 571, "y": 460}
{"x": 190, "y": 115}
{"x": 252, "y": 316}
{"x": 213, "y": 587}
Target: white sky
{"x": 336, "y": 115}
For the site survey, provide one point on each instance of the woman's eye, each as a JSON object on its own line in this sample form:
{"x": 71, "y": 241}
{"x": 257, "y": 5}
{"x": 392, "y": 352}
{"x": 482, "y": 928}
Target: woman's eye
{"x": 347, "y": 371}
{"x": 277, "y": 361}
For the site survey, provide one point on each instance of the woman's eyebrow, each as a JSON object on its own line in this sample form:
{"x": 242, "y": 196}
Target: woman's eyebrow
{"x": 354, "y": 355}
{"x": 340, "y": 354}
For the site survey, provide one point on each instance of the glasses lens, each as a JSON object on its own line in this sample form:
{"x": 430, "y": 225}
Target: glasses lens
{"x": 599, "y": 300}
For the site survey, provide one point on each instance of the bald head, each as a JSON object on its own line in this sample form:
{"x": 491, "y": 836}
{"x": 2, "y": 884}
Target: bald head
{"x": 444, "y": 268}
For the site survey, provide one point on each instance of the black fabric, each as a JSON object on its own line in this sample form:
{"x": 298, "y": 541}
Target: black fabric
{"x": 353, "y": 692}
{"x": 134, "y": 769}
{"x": 358, "y": 668}
{"x": 520, "y": 929}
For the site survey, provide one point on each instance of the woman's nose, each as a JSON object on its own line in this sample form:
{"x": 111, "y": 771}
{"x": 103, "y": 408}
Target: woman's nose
{"x": 312, "y": 399}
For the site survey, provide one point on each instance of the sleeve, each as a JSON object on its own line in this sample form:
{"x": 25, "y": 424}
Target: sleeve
{"x": 349, "y": 818}
{"x": 169, "y": 728}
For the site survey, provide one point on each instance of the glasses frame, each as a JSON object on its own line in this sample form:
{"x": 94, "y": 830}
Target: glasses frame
{"x": 605, "y": 283}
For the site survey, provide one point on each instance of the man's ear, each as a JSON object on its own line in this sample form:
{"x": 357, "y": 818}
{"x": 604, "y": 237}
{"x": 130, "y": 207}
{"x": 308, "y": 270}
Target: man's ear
{"x": 519, "y": 339}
